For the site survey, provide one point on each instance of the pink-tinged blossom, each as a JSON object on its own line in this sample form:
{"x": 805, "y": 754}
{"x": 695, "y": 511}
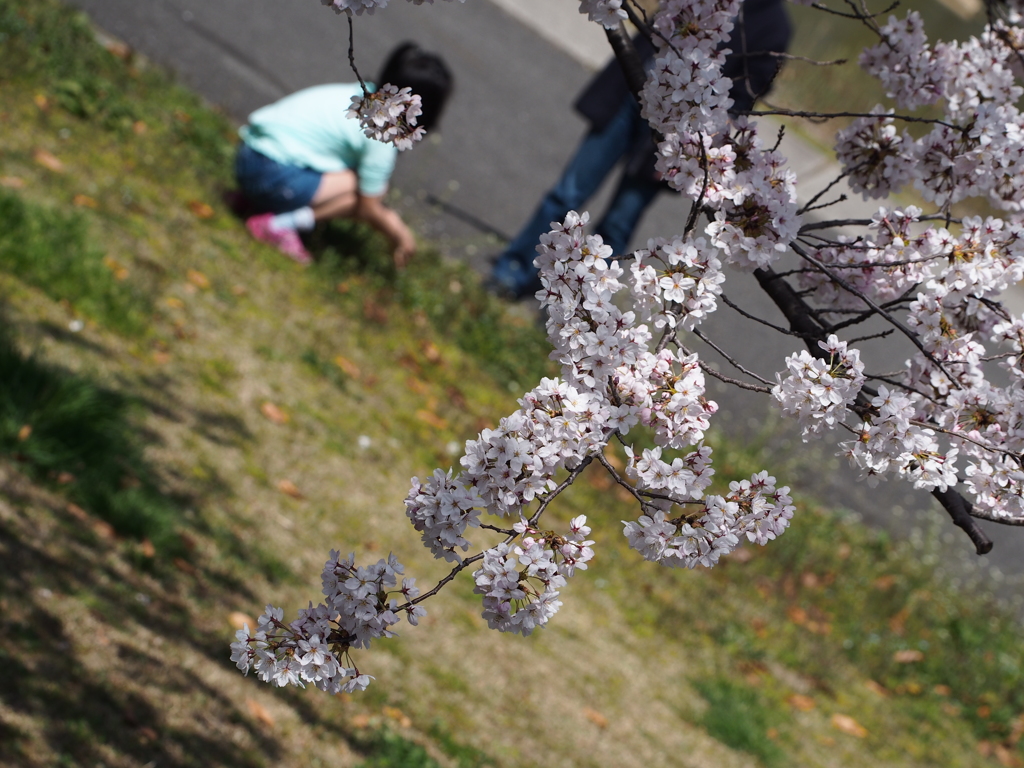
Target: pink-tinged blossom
{"x": 874, "y": 156}
{"x": 389, "y": 114}
{"x": 911, "y": 71}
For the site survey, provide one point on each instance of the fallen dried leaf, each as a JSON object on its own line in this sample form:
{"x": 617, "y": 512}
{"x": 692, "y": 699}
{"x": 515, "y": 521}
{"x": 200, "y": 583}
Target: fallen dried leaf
{"x": 260, "y": 712}
{"x": 200, "y": 209}
{"x": 139, "y": 127}
{"x": 397, "y": 715}
{"x": 797, "y": 615}
{"x": 184, "y": 566}
{"x": 198, "y": 279}
{"x": 41, "y": 101}
{"x": 12, "y": 182}
{"x": 416, "y": 385}
{"x": 848, "y": 725}
{"x": 878, "y": 688}
{"x": 595, "y": 717}
{"x": 84, "y": 201}
{"x": 161, "y": 358}
{"x": 147, "y": 548}
{"x": 801, "y": 702}
{"x": 239, "y": 290}
{"x": 25, "y": 432}
{"x": 65, "y": 478}
{"x": 118, "y": 49}
{"x": 884, "y": 582}
{"x": 907, "y": 656}
{"x": 239, "y": 620}
{"x": 119, "y": 270}
{"x": 432, "y": 419}
{"x": 77, "y": 512}
{"x": 431, "y": 352}
{"x": 984, "y": 711}
{"x": 289, "y": 488}
{"x": 48, "y": 161}
{"x": 274, "y": 413}
{"x": 349, "y": 368}
{"x": 1016, "y": 731}
{"x": 1006, "y": 758}
{"x": 103, "y": 529}
{"x": 942, "y": 690}
{"x": 898, "y": 622}
{"x": 361, "y": 720}
{"x": 174, "y": 302}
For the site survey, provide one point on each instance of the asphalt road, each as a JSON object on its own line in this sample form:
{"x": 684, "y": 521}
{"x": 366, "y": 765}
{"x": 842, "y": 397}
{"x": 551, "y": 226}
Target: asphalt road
{"x": 503, "y": 141}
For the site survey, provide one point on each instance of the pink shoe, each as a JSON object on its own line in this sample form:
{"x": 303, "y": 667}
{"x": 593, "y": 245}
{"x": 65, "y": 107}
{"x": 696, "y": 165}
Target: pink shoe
{"x": 287, "y": 241}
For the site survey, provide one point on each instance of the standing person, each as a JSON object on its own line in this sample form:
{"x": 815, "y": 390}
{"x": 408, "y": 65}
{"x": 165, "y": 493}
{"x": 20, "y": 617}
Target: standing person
{"x": 617, "y": 133}
{"x": 303, "y": 160}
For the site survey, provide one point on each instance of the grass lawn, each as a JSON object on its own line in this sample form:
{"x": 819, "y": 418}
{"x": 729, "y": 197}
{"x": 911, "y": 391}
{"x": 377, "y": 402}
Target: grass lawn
{"x": 189, "y": 422}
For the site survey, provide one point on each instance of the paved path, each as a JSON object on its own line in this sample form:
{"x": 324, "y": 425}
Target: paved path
{"x": 507, "y": 133}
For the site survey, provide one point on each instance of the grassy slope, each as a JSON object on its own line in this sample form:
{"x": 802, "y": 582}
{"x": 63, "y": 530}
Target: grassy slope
{"x": 115, "y": 652}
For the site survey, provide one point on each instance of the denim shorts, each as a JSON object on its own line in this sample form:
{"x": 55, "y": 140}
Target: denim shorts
{"x": 272, "y": 186}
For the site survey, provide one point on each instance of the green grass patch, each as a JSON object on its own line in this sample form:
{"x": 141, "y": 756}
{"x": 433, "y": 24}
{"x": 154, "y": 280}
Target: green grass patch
{"x": 50, "y": 249}
{"x": 386, "y": 749}
{"x": 739, "y": 717}
{"x": 464, "y": 755}
{"x": 74, "y": 435}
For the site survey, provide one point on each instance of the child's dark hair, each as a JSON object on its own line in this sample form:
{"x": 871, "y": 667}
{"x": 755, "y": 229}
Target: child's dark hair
{"x": 409, "y": 66}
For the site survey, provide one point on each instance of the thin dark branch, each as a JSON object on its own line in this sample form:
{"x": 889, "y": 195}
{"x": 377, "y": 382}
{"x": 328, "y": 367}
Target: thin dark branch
{"x": 888, "y": 317}
{"x": 822, "y": 116}
{"x": 762, "y": 321}
{"x": 733, "y": 362}
{"x": 352, "y": 57}
{"x": 562, "y": 486}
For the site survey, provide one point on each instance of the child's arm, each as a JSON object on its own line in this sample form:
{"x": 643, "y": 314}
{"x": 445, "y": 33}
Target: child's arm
{"x": 373, "y": 211}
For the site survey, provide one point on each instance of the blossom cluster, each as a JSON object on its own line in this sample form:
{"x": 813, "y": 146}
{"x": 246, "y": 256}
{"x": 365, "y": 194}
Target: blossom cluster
{"x": 818, "y": 390}
{"x": 753, "y": 508}
{"x": 977, "y": 148}
{"x": 389, "y": 114}
{"x": 315, "y": 648}
{"x": 707, "y": 154}
{"x": 520, "y": 582}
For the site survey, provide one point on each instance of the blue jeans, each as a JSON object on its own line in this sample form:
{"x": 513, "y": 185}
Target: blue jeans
{"x": 595, "y": 158}
{"x": 272, "y": 186}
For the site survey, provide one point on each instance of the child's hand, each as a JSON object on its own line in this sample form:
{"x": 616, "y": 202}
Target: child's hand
{"x": 405, "y": 249}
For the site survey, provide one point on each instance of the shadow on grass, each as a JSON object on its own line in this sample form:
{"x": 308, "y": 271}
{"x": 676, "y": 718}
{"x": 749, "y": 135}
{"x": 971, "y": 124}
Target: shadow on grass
{"x": 65, "y": 431}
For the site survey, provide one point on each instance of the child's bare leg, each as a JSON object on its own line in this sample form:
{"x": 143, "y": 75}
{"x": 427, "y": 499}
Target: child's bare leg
{"x": 337, "y": 196}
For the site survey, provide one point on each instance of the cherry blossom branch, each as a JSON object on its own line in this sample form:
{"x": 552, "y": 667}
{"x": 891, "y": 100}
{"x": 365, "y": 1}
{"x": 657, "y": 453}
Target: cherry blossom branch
{"x": 575, "y": 473}
{"x": 726, "y": 300}
{"x": 915, "y": 340}
{"x": 352, "y": 57}
{"x": 960, "y": 510}
{"x": 824, "y": 116}
{"x": 732, "y": 361}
